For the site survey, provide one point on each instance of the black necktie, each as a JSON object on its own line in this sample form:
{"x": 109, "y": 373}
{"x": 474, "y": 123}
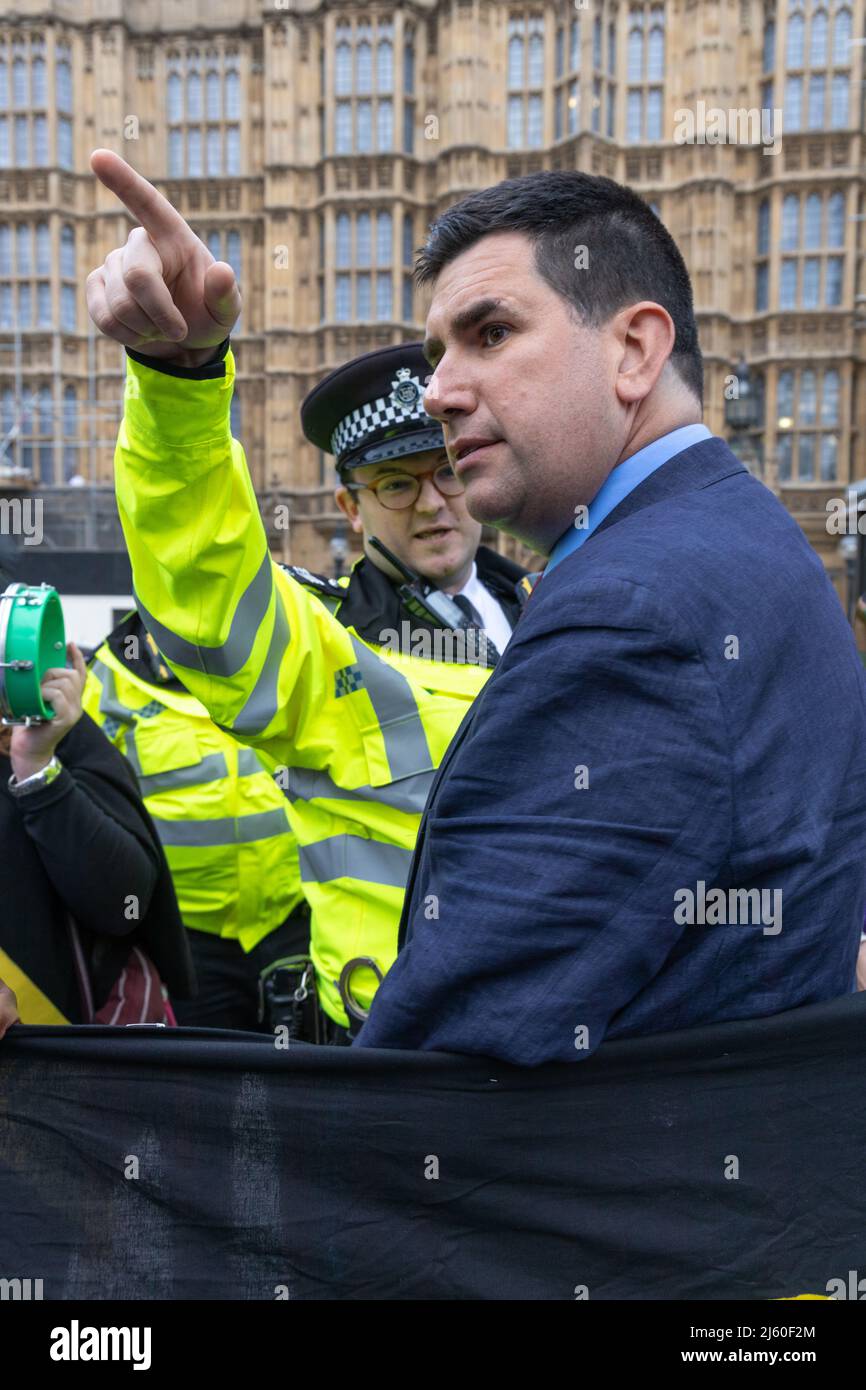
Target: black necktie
{"x": 468, "y": 610}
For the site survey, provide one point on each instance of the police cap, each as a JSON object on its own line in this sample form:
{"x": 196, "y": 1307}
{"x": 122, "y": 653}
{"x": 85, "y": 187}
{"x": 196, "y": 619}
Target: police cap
{"x": 370, "y": 410}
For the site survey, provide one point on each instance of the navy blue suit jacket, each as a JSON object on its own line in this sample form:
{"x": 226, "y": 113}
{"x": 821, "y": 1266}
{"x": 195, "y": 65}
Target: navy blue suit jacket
{"x": 693, "y": 657}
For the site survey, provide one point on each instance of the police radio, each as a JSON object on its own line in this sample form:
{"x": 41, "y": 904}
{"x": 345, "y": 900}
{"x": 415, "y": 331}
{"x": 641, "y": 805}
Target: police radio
{"x": 428, "y": 602}
{"x": 32, "y": 639}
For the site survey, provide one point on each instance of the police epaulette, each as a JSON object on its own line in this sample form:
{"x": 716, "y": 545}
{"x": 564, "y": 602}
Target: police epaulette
{"x": 319, "y": 582}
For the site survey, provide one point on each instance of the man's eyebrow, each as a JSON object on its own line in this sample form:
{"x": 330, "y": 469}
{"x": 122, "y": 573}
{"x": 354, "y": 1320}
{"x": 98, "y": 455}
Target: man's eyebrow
{"x": 467, "y": 318}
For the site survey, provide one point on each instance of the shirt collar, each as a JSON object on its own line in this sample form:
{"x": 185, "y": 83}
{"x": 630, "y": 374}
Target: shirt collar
{"x": 621, "y": 481}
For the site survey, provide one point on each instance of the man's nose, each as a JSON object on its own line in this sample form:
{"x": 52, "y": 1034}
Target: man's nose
{"x": 445, "y": 395}
{"x": 429, "y": 499}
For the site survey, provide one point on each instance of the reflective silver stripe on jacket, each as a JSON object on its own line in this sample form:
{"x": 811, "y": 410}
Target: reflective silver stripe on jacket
{"x": 226, "y": 830}
{"x": 350, "y": 856}
{"x": 249, "y": 764}
{"x": 261, "y": 705}
{"x": 109, "y": 704}
{"x": 232, "y": 654}
{"x": 211, "y": 768}
{"x": 409, "y": 794}
{"x": 397, "y": 712}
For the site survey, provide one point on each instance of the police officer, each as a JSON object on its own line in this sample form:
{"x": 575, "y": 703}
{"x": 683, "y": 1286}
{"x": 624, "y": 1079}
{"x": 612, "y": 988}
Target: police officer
{"x": 350, "y": 690}
{"x": 225, "y": 830}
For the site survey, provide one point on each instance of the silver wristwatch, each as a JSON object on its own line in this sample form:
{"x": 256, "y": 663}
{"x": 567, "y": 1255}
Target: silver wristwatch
{"x": 37, "y": 780}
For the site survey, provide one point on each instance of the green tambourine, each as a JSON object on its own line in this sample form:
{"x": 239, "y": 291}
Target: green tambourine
{"x": 32, "y": 639}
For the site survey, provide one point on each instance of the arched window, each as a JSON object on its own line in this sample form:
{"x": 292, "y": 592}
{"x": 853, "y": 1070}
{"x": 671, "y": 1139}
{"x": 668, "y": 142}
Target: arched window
{"x": 383, "y": 297}
{"x": 214, "y": 243}
{"x": 214, "y": 153}
{"x": 596, "y": 42}
{"x": 343, "y": 240}
{"x": 175, "y": 153}
{"x": 20, "y": 85}
{"x": 808, "y": 398}
{"x": 70, "y": 411}
{"x": 785, "y": 400}
{"x": 43, "y": 249}
{"x": 817, "y": 87}
{"x": 37, "y": 74}
{"x": 364, "y": 142}
{"x": 233, "y": 149}
{"x": 836, "y": 219}
{"x": 70, "y": 433}
{"x": 40, "y": 140}
{"x": 634, "y": 116}
{"x": 364, "y": 67}
{"x": 635, "y": 55}
{"x": 574, "y": 46}
{"x": 193, "y": 96}
{"x": 818, "y": 40}
{"x": 536, "y": 60}
{"x": 791, "y": 222}
{"x": 385, "y": 126}
{"x": 233, "y": 95}
{"x": 233, "y": 252}
{"x": 363, "y": 242}
{"x": 5, "y": 249}
{"x": 43, "y": 304}
{"x": 656, "y": 55}
{"x": 383, "y": 238}
{"x": 408, "y": 66}
{"x": 343, "y": 128}
{"x": 408, "y": 240}
{"x": 812, "y": 226}
{"x": 559, "y": 59}
{"x": 385, "y": 66}
{"x": 839, "y": 101}
{"x": 4, "y": 84}
{"x": 769, "y": 53}
{"x": 174, "y": 94}
{"x": 764, "y": 227}
{"x": 796, "y": 41}
{"x": 63, "y": 83}
{"x": 46, "y": 413}
{"x": 515, "y": 61}
{"x": 8, "y": 423}
{"x": 68, "y": 308}
{"x": 67, "y": 251}
{"x": 23, "y": 260}
{"x": 213, "y": 95}
{"x": 842, "y": 26}
{"x": 343, "y": 68}
{"x": 654, "y": 114}
{"x": 193, "y": 153}
{"x": 830, "y": 398}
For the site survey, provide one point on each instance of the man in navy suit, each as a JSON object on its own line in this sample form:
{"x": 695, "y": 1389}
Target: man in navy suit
{"x": 654, "y": 817}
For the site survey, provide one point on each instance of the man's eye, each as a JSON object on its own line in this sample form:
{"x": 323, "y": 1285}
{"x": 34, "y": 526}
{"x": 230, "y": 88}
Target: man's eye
{"x": 395, "y": 485}
{"x": 493, "y": 328}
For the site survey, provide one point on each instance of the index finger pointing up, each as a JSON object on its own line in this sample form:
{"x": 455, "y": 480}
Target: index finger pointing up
{"x": 155, "y": 213}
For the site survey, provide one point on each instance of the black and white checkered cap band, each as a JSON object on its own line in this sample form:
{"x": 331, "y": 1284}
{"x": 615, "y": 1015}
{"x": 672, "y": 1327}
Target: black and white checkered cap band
{"x": 381, "y": 414}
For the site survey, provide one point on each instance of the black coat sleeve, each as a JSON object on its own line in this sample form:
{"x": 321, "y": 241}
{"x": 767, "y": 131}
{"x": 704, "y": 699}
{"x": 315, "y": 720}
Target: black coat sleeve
{"x": 92, "y": 835}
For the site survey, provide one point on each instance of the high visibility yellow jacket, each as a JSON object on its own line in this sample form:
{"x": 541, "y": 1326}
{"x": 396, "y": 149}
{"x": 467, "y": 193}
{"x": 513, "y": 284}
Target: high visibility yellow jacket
{"x": 353, "y": 728}
{"x": 222, "y": 820}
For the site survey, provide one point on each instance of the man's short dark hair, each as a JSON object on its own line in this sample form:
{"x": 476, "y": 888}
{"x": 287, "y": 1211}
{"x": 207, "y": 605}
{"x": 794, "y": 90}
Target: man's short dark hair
{"x": 631, "y": 254}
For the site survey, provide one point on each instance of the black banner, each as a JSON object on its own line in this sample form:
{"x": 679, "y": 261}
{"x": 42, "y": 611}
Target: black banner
{"x": 721, "y": 1163}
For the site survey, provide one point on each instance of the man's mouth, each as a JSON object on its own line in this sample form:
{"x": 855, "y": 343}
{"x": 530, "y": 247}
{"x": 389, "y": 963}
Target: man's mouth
{"x": 433, "y": 533}
{"x": 467, "y": 450}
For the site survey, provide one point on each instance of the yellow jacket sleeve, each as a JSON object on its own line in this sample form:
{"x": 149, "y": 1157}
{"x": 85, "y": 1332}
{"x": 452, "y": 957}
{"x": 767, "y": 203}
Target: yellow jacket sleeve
{"x": 261, "y": 653}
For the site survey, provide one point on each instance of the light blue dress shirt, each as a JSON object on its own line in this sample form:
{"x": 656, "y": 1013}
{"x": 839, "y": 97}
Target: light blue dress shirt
{"x": 624, "y": 479}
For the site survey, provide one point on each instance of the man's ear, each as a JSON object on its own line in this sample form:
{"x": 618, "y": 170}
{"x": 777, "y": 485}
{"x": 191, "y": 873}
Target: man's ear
{"x": 345, "y": 500}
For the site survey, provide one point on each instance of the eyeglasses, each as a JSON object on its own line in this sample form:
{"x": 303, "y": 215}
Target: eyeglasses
{"x": 397, "y": 491}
